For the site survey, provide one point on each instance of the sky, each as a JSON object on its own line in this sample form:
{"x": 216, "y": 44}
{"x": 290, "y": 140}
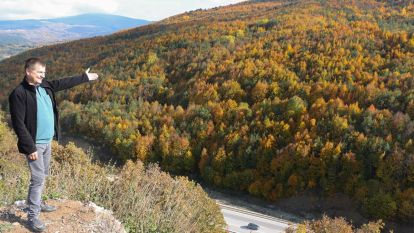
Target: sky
{"x": 141, "y": 9}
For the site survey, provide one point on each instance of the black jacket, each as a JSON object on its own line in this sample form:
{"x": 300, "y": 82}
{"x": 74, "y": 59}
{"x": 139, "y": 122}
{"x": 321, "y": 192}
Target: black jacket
{"x": 23, "y": 109}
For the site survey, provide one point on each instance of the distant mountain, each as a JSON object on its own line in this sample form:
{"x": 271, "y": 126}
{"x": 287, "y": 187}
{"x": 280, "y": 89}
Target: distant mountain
{"x": 18, "y": 35}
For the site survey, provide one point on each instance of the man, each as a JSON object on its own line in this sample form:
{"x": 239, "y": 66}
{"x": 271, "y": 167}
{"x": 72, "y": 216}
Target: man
{"x": 35, "y": 120}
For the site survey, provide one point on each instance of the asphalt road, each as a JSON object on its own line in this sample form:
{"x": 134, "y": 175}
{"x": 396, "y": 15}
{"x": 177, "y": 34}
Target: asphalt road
{"x": 237, "y": 220}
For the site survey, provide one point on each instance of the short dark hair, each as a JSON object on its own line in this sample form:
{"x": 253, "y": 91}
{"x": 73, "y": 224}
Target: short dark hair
{"x": 31, "y": 62}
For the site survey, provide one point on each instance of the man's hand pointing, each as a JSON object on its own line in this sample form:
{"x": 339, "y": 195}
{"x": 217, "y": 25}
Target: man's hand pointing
{"x": 91, "y": 76}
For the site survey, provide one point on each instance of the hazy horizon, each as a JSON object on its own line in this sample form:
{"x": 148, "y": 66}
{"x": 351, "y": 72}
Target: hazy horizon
{"x": 149, "y": 10}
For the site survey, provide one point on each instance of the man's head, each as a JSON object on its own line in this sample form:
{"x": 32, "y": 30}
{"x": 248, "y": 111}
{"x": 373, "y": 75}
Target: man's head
{"x": 35, "y": 71}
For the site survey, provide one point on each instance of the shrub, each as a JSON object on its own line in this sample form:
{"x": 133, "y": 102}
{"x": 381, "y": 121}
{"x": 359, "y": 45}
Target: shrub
{"x": 145, "y": 199}
{"x": 335, "y": 225}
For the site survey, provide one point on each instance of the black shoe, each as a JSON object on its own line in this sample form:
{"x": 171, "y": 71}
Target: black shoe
{"x": 47, "y": 208}
{"x": 36, "y": 225}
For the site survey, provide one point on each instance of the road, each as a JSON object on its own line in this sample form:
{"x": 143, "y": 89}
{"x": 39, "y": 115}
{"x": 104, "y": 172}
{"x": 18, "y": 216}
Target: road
{"x": 237, "y": 220}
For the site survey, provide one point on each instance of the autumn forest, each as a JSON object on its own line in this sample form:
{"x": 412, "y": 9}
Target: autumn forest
{"x": 272, "y": 98}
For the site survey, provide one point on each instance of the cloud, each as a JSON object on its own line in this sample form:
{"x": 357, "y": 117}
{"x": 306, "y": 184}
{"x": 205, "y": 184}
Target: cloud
{"x": 225, "y": 1}
{"x": 160, "y": 9}
{"x": 24, "y": 9}
{"x": 144, "y": 9}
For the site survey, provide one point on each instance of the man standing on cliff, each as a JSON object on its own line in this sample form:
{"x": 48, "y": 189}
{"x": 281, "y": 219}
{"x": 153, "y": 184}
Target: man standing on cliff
{"x": 35, "y": 120}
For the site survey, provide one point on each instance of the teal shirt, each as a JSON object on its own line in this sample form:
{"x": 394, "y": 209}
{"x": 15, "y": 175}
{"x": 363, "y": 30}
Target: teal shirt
{"x": 45, "y": 117}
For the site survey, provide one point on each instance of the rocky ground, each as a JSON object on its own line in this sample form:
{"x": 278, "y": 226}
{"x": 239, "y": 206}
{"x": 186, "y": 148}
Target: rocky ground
{"x": 71, "y": 216}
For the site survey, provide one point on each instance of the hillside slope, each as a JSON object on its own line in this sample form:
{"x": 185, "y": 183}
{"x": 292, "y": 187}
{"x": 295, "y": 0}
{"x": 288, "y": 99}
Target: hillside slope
{"x": 20, "y": 35}
{"x": 143, "y": 198}
{"x": 268, "y": 97}
{"x": 71, "y": 216}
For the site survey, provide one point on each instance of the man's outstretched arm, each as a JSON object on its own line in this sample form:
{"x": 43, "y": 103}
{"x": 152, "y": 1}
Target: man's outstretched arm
{"x": 66, "y": 83}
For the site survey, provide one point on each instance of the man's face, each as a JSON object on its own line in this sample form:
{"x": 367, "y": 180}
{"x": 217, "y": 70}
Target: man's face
{"x": 36, "y": 74}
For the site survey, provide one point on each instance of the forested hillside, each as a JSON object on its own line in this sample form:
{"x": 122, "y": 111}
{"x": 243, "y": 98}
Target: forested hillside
{"x": 144, "y": 198}
{"x": 269, "y": 97}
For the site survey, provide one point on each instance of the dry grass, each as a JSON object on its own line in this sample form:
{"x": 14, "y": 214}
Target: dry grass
{"x": 12, "y": 173}
{"x": 145, "y": 199}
